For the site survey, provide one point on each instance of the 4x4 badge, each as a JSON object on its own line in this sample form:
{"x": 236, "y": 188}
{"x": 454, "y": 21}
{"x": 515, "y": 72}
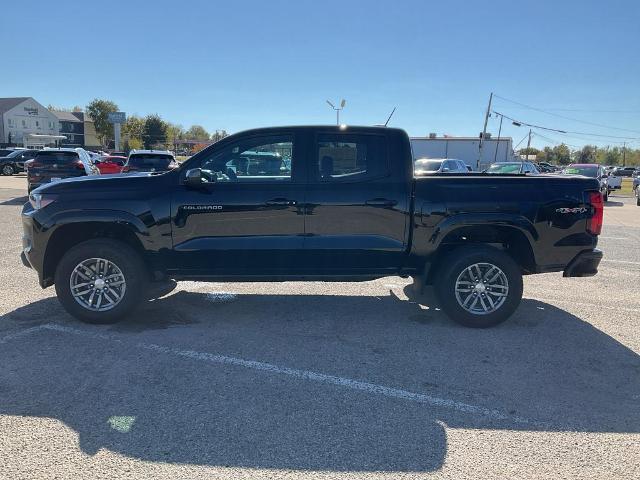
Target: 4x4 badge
{"x": 572, "y": 210}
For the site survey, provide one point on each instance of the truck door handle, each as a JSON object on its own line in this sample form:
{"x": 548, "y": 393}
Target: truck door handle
{"x": 381, "y": 202}
{"x": 280, "y": 202}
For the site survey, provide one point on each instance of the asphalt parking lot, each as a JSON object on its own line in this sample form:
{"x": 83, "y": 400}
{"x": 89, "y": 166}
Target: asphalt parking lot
{"x": 315, "y": 380}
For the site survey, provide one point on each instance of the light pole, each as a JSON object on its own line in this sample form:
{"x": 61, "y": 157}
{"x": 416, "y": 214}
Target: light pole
{"x": 342, "y": 104}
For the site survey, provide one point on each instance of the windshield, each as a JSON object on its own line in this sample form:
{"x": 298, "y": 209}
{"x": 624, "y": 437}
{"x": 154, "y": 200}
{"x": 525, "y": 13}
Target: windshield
{"x": 428, "y": 165}
{"x": 15, "y": 153}
{"x": 504, "y": 168}
{"x": 152, "y": 160}
{"x": 56, "y": 157}
{"x": 586, "y": 171}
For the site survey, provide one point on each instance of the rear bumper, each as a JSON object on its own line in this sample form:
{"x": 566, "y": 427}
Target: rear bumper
{"x": 585, "y": 264}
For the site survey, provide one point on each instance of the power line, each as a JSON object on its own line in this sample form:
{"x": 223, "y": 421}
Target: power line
{"x": 551, "y": 140}
{"x": 565, "y": 117}
{"x": 517, "y": 144}
{"x": 518, "y": 123}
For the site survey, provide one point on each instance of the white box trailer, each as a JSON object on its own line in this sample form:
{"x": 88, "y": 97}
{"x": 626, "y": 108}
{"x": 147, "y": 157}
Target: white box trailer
{"x": 465, "y": 149}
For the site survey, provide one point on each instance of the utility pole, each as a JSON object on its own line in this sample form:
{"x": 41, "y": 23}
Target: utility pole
{"x": 624, "y": 154}
{"x": 528, "y": 145}
{"x": 495, "y": 156}
{"x": 484, "y": 131}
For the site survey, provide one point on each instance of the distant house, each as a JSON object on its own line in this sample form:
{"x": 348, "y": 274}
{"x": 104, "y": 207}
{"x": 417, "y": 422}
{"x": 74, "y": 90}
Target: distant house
{"x": 72, "y": 127}
{"x": 27, "y": 123}
{"x": 79, "y": 129}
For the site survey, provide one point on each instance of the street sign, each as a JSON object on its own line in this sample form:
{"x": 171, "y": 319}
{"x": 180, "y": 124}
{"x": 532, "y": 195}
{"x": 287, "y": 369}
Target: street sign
{"x": 117, "y": 117}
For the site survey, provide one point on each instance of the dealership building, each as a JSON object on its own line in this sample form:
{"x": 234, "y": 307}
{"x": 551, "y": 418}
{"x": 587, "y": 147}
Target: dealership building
{"x": 25, "y": 122}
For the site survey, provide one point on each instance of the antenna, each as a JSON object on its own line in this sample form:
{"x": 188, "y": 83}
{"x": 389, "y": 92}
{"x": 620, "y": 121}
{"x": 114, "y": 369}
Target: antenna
{"x": 390, "y": 115}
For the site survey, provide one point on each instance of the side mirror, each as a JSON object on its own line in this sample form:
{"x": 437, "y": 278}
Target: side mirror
{"x": 445, "y": 169}
{"x": 193, "y": 177}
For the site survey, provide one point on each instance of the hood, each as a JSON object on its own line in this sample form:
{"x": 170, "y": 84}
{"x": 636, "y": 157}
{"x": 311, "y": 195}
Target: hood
{"x": 99, "y": 182}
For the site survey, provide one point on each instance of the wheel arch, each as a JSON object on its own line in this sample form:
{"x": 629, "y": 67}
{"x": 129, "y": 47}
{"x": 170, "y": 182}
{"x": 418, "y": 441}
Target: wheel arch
{"x": 508, "y": 238}
{"x": 69, "y": 235}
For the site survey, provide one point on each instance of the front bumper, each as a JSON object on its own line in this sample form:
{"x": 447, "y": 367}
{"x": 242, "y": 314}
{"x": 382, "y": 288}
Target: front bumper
{"x": 585, "y": 264}
{"x": 25, "y": 259}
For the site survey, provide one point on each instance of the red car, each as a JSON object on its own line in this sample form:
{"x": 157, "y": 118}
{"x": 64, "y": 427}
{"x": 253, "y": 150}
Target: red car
{"x": 111, "y": 164}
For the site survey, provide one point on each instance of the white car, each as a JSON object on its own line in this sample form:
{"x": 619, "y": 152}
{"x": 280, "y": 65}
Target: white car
{"x": 430, "y": 166}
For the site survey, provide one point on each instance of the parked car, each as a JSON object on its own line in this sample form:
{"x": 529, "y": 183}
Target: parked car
{"x": 54, "y": 164}
{"x": 613, "y": 182}
{"x": 258, "y": 164}
{"x": 544, "y": 167}
{"x": 150, "y": 161}
{"x": 14, "y": 161}
{"x": 111, "y": 164}
{"x": 547, "y": 167}
{"x": 624, "y": 171}
{"x": 431, "y": 166}
{"x": 512, "y": 168}
{"x": 348, "y": 209}
{"x": 592, "y": 170}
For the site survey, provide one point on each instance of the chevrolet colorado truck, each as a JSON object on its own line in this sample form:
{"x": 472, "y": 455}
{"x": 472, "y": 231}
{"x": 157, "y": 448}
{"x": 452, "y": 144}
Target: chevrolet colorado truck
{"x": 314, "y": 204}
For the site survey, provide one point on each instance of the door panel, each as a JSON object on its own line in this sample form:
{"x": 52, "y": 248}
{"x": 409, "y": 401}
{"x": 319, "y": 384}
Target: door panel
{"x": 356, "y": 214}
{"x": 250, "y": 219}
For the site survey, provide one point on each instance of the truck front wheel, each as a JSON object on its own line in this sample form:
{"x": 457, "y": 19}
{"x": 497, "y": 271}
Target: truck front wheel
{"x": 100, "y": 281}
{"x": 479, "y": 286}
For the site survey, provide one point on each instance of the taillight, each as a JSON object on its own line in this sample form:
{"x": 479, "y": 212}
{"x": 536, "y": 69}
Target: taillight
{"x": 125, "y": 169}
{"x": 31, "y": 164}
{"x": 594, "y": 224}
{"x": 78, "y": 164}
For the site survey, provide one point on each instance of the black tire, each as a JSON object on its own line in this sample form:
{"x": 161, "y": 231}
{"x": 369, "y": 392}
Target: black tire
{"x": 120, "y": 254}
{"x": 605, "y": 197}
{"x": 455, "y": 264}
{"x": 638, "y": 199}
{"x": 8, "y": 170}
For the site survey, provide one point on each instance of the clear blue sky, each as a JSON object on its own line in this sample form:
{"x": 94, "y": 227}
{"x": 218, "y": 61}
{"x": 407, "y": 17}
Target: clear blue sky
{"x": 242, "y": 64}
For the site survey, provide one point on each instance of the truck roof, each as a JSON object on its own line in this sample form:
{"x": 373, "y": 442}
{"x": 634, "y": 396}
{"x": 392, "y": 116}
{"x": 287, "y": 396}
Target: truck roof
{"x": 329, "y": 128}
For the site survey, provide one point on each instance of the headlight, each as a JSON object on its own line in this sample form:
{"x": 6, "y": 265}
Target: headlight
{"x": 40, "y": 200}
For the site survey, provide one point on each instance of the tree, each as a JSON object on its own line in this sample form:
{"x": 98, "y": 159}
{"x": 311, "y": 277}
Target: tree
{"x": 562, "y": 154}
{"x": 196, "y": 132}
{"x": 529, "y": 151}
{"x": 219, "y": 135}
{"x": 174, "y": 132}
{"x": 586, "y": 155}
{"x": 154, "y": 131}
{"x": 133, "y": 127}
{"x": 99, "y": 111}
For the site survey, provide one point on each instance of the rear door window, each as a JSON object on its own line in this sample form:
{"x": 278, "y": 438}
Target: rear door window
{"x": 350, "y": 158}
{"x": 149, "y": 160}
{"x": 58, "y": 158}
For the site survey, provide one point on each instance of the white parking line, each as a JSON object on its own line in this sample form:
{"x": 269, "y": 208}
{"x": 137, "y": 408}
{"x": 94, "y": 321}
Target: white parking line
{"x": 21, "y": 333}
{"x": 582, "y": 304}
{"x": 309, "y": 375}
{"x": 620, "y": 261}
{"x": 612, "y": 238}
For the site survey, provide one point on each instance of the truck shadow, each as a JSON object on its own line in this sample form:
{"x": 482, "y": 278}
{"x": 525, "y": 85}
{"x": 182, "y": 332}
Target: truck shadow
{"x": 544, "y": 365}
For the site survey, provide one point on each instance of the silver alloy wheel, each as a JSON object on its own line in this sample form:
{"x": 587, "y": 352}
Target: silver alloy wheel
{"x": 97, "y": 284}
{"x": 481, "y": 288}
{"x": 7, "y": 170}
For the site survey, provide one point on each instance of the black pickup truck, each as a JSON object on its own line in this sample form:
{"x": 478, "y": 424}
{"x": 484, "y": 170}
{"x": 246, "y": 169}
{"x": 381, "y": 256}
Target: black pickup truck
{"x": 310, "y": 203}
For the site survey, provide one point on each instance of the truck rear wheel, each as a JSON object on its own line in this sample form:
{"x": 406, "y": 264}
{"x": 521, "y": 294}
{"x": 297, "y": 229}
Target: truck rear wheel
{"x": 100, "y": 281}
{"x": 479, "y": 286}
